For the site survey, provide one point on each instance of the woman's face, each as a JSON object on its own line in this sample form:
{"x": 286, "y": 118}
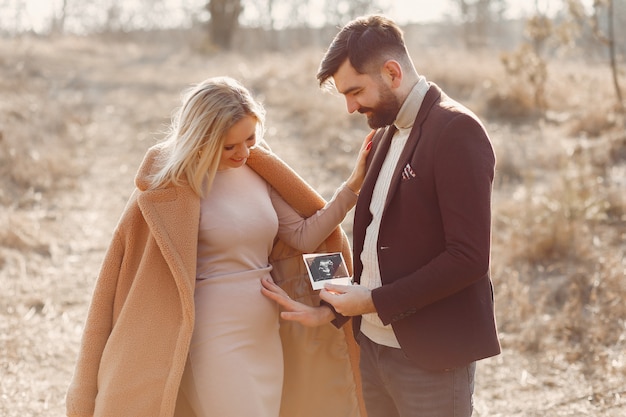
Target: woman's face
{"x": 239, "y": 139}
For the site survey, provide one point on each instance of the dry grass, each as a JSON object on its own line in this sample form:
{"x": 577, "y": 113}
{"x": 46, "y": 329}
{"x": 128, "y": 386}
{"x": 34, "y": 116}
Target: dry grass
{"x": 77, "y": 115}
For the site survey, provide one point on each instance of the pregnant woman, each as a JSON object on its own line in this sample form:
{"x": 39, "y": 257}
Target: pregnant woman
{"x": 177, "y": 323}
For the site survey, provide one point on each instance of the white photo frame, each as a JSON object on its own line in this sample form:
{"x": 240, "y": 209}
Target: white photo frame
{"x": 326, "y": 268}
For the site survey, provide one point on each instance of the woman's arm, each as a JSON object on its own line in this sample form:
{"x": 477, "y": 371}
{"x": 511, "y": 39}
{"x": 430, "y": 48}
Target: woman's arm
{"x": 307, "y": 234}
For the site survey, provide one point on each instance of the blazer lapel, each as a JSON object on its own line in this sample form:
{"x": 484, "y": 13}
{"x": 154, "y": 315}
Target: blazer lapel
{"x": 379, "y": 152}
{"x": 404, "y": 162}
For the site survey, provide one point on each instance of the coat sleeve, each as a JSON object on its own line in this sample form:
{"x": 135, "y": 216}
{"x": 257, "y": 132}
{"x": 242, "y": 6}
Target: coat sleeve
{"x": 83, "y": 389}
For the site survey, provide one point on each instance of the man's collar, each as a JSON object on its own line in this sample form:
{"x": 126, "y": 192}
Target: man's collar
{"x": 410, "y": 107}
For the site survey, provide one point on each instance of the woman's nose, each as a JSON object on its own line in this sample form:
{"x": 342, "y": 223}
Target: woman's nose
{"x": 243, "y": 151}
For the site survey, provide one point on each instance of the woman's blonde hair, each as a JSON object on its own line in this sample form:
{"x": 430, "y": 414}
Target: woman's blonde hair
{"x": 194, "y": 144}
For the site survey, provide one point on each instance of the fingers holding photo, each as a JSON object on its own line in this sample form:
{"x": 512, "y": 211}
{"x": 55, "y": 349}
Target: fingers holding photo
{"x": 349, "y": 300}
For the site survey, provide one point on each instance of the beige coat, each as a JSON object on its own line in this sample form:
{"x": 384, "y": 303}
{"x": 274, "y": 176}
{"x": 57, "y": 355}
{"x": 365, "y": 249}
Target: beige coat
{"x": 141, "y": 318}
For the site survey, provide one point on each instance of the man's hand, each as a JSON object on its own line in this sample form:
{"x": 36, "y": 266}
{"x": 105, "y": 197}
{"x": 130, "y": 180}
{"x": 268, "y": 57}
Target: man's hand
{"x": 349, "y": 300}
{"x": 295, "y": 310}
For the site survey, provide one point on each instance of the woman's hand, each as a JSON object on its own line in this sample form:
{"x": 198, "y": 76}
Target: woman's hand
{"x": 295, "y": 310}
{"x": 355, "y": 180}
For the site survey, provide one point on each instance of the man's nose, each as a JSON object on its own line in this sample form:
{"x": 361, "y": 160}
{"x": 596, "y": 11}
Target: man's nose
{"x": 352, "y": 105}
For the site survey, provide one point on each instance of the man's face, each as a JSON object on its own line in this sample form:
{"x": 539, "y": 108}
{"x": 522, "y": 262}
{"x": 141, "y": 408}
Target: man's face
{"x": 368, "y": 95}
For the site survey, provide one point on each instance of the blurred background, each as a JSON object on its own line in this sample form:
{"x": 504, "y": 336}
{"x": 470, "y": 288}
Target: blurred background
{"x": 87, "y": 86}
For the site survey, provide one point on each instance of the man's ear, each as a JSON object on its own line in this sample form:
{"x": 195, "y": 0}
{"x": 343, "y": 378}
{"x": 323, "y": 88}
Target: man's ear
{"x": 392, "y": 71}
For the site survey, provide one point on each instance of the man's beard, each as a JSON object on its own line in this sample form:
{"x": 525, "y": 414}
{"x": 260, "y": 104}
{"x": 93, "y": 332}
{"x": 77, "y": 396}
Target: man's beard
{"x": 385, "y": 112}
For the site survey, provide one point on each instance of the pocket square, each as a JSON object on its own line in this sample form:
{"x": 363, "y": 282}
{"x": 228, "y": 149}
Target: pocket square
{"x": 408, "y": 173}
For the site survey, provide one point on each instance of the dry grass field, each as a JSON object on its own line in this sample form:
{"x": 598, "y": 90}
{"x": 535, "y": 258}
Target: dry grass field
{"x": 77, "y": 114}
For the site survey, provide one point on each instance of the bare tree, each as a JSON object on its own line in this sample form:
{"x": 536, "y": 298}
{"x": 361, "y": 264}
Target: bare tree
{"x": 527, "y": 65}
{"x": 17, "y": 18}
{"x": 601, "y": 22}
{"x": 299, "y": 13}
{"x": 479, "y": 17}
{"x": 58, "y": 24}
{"x": 608, "y": 38}
{"x": 545, "y": 36}
{"x": 339, "y": 12}
{"x": 224, "y": 21}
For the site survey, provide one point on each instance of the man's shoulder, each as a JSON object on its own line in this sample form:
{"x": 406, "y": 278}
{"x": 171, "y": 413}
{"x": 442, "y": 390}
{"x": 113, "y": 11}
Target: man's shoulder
{"x": 446, "y": 109}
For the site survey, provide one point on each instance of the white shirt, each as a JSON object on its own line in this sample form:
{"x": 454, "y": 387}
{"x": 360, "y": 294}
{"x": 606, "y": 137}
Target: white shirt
{"x": 371, "y": 325}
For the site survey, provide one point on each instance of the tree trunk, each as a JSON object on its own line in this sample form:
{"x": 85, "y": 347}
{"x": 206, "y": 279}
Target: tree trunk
{"x": 224, "y": 21}
{"x": 612, "y": 54}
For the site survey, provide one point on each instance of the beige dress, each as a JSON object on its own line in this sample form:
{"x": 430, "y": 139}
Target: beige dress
{"x": 235, "y": 365}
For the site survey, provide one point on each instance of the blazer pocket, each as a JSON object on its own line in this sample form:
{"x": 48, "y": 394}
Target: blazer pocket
{"x": 408, "y": 173}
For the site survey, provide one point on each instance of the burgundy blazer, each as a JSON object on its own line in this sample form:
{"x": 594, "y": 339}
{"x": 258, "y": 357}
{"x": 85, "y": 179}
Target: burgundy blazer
{"x": 435, "y": 236}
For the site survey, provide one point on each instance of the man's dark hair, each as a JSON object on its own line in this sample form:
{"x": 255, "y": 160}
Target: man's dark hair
{"x": 367, "y": 42}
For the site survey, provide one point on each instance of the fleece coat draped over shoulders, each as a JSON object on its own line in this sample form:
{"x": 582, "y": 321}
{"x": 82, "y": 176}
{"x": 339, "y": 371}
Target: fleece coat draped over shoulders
{"x": 141, "y": 317}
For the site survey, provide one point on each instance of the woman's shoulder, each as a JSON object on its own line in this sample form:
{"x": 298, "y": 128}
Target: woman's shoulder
{"x": 149, "y": 165}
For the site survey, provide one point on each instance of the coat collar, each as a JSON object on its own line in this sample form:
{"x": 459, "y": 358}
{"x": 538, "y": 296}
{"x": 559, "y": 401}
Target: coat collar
{"x": 297, "y": 192}
{"x": 380, "y": 152}
{"x": 173, "y": 214}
